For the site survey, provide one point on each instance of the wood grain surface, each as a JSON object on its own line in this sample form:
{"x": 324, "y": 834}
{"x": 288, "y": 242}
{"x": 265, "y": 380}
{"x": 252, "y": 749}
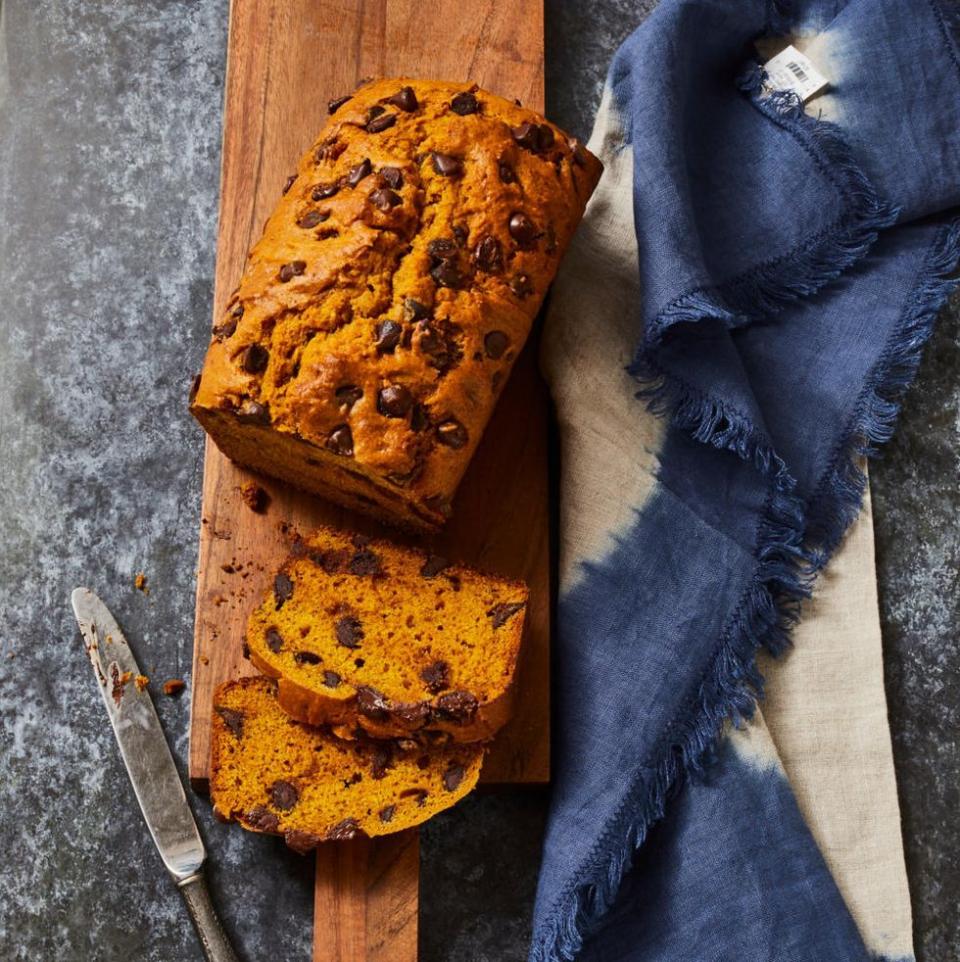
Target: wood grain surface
{"x": 366, "y": 900}
{"x": 286, "y": 59}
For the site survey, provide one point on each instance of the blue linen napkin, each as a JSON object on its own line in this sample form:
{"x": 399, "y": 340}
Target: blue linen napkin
{"x": 789, "y": 263}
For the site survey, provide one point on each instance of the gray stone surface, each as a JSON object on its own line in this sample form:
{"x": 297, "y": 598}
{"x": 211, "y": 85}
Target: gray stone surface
{"x": 109, "y": 150}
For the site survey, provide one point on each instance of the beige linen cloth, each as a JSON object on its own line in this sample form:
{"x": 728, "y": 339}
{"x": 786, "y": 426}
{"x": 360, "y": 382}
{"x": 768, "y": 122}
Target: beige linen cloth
{"x": 824, "y": 718}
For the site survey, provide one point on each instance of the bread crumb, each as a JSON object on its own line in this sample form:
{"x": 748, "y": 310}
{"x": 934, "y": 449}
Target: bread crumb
{"x": 254, "y": 497}
{"x": 140, "y": 582}
{"x": 174, "y": 686}
{"x": 141, "y": 681}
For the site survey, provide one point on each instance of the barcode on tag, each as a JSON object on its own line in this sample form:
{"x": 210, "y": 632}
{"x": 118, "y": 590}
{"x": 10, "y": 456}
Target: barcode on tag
{"x": 792, "y": 70}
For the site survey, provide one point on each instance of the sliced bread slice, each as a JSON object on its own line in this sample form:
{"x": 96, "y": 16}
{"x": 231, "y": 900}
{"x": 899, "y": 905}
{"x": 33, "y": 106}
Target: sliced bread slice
{"x": 362, "y": 632}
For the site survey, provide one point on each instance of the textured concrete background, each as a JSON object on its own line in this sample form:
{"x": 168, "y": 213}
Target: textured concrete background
{"x": 109, "y": 153}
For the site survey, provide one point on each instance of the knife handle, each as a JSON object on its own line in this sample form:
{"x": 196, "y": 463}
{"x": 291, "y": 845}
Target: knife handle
{"x": 216, "y": 947}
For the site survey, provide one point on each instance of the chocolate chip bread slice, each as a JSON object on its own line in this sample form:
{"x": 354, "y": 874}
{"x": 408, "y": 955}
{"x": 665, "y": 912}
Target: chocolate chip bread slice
{"x": 395, "y": 283}
{"x": 276, "y": 775}
{"x": 362, "y": 632}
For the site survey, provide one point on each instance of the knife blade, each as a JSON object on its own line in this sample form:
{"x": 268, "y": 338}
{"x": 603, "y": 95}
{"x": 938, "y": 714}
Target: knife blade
{"x": 143, "y": 746}
{"x": 151, "y": 768}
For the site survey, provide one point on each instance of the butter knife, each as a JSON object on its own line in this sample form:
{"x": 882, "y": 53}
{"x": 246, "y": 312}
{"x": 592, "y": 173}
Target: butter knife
{"x": 150, "y": 766}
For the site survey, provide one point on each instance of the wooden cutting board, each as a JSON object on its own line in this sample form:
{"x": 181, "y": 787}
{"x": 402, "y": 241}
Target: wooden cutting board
{"x": 286, "y": 59}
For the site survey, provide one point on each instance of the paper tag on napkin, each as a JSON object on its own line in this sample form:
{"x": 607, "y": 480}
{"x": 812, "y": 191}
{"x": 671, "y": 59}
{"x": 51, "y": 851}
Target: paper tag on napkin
{"x": 792, "y": 70}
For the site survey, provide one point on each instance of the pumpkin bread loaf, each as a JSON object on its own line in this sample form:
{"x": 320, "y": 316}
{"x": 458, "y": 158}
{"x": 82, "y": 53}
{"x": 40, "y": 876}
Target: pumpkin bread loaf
{"x": 393, "y": 287}
{"x": 362, "y": 632}
{"x": 273, "y": 774}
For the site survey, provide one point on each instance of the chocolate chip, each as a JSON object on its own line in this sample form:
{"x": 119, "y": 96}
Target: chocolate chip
{"x": 457, "y": 707}
{"x": 577, "y": 153}
{"x": 446, "y": 274}
{"x": 323, "y": 191}
{"x": 254, "y": 359}
{"x": 460, "y": 234}
{"x": 237, "y": 312}
{"x": 495, "y": 343}
{"x": 442, "y": 249}
{"x": 433, "y": 566}
{"x": 419, "y": 421}
{"x": 372, "y": 703}
{"x": 453, "y": 776}
{"x": 452, "y": 433}
{"x": 503, "y": 612}
{"x": 274, "y": 640}
{"x": 526, "y": 135}
{"x": 261, "y": 819}
{"x": 344, "y": 831}
{"x": 289, "y": 183}
{"x": 419, "y": 794}
{"x": 330, "y": 149}
{"x": 334, "y": 105}
{"x": 311, "y": 218}
{"x": 283, "y": 795}
{"x": 488, "y": 255}
{"x": 340, "y": 441}
{"x": 522, "y": 229}
{"x": 388, "y": 337}
{"x": 306, "y": 658}
{"x": 253, "y": 412}
{"x": 394, "y": 401}
{"x": 194, "y": 388}
{"x": 348, "y": 394}
{"x": 464, "y": 103}
{"x": 413, "y": 310}
{"x": 545, "y": 137}
{"x": 382, "y": 760}
{"x": 375, "y": 111}
{"x": 365, "y": 563}
{"x": 385, "y": 199}
{"x": 391, "y": 177}
{"x": 412, "y": 715}
{"x": 386, "y": 814}
{"x": 233, "y": 719}
{"x": 349, "y": 632}
{"x": 357, "y": 173}
{"x": 507, "y": 174}
{"x": 226, "y": 329}
{"x": 521, "y": 286}
{"x": 300, "y": 841}
{"x": 436, "y": 677}
{"x": 405, "y": 99}
{"x": 331, "y": 679}
{"x": 445, "y": 164}
{"x": 380, "y": 123}
{"x": 333, "y": 560}
{"x": 293, "y": 269}
{"x": 282, "y": 589}
{"x": 438, "y": 341}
